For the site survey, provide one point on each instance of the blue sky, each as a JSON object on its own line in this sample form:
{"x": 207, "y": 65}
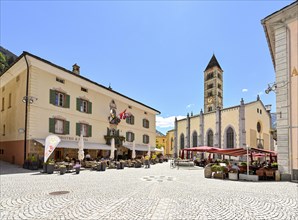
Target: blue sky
{"x": 152, "y": 51}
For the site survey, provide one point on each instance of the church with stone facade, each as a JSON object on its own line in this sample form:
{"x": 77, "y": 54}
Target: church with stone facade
{"x": 245, "y": 124}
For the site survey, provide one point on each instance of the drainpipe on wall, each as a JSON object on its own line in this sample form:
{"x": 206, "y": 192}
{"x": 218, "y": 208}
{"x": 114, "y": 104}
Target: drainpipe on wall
{"x": 26, "y": 109}
{"x": 289, "y": 97}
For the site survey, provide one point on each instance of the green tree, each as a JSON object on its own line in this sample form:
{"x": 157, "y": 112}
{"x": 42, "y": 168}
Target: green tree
{"x": 3, "y": 63}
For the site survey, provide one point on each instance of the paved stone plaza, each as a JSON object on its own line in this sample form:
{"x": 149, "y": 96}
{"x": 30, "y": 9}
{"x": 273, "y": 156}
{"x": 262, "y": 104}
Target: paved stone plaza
{"x": 137, "y": 193}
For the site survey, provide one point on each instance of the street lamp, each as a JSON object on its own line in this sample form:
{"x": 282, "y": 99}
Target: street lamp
{"x": 29, "y": 99}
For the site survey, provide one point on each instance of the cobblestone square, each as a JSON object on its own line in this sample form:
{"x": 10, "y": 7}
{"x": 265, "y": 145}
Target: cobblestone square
{"x": 137, "y": 193}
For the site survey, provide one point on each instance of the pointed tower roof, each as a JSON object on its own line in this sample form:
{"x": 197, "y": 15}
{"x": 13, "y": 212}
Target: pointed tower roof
{"x": 213, "y": 62}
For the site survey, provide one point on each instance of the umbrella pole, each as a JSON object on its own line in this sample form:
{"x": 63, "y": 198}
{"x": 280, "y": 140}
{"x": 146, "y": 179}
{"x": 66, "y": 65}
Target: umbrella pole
{"x": 247, "y": 160}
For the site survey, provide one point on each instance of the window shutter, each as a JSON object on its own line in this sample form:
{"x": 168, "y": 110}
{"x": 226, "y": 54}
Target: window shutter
{"x": 67, "y": 101}
{"x": 53, "y": 97}
{"x": 147, "y": 123}
{"x": 144, "y": 123}
{"x": 66, "y": 127}
{"x": 132, "y": 136}
{"x": 132, "y": 120}
{"x": 126, "y": 136}
{"x": 78, "y": 104}
{"x": 90, "y": 107}
{"x": 52, "y": 125}
{"x": 144, "y": 139}
{"x": 89, "y": 131}
{"x": 78, "y": 129}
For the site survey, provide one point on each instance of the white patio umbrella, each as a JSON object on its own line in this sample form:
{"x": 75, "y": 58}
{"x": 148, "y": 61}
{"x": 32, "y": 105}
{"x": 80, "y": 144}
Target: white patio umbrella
{"x": 81, "y": 148}
{"x": 133, "y": 155}
{"x": 162, "y": 151}
{"x": 149, "y": 150}
{"x": 112, "y": 155}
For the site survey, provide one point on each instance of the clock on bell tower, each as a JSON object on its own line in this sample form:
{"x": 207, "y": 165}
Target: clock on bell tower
{"x": 213, "y": 86}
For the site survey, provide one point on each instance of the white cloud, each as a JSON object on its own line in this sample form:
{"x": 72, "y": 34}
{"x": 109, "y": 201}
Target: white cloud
{"x": 260, "y": 93}
{"x": 166, "y": 122}
{"x": 244, "y": 90}
{"x": 190, "y": 105}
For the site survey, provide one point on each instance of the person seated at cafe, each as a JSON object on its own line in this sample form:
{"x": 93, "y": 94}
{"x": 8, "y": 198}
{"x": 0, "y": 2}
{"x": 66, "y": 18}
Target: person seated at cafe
{"x": 88, "y": 157}
{"x": 67, "y": 159}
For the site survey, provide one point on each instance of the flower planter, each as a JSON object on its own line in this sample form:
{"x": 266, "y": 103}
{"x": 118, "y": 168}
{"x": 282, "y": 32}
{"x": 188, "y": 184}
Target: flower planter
{"x": 98, "y": 166}
{"x": 45, "y": 168}
{"x": 50, "y": 168}
{"x": 103, "y": 166}
{"x": 26, "y": 164}
{"x": 253, "y": 178}
{"x": 62, "y": 170}
{"x": 233, "y": 176}
{"x": 33, "y": 165}
{"x": 219, "y": 175}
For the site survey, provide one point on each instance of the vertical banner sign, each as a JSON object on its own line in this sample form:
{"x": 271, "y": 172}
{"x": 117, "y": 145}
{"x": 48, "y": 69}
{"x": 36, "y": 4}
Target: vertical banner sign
{"x": 51, "y": 143}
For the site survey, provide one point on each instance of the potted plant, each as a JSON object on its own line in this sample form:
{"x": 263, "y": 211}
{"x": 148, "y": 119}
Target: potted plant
{"x": 218, "y": 171}
{"x": 242, "y": 167}
{"x": 274, "y": 165}
{"x": 103, "y": 165}
{"x": 233, "y": 174}
{"x": 26, "y": 164}
{"x": 50, "y": 166}
{"x": 33, "y": 165}
{"x": 62, "y": 169}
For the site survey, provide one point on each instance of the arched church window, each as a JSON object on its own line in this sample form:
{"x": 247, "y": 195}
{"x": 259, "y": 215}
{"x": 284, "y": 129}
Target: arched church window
{"x": 230, "y": 138}
{"x": 194, "y": 139}
{"x": 210, "y": 138}
{"x": 182, "y": 141}
{"x": 259, "y": 128}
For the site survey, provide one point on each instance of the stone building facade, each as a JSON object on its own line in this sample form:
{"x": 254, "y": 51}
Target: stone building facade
{"x": 39, "y": 98}
{"x": 246, "y": 124}
{"x": 281, "y": 30}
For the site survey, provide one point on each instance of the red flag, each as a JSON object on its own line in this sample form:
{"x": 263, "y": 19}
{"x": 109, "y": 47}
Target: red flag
{"x": 122, "y": 115}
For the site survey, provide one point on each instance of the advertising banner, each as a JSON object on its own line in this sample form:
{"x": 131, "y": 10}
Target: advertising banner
{"x": 50, "y": 144}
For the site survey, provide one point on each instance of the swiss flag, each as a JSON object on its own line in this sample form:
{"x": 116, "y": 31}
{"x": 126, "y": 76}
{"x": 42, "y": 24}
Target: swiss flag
{"x": 122, "y": 115}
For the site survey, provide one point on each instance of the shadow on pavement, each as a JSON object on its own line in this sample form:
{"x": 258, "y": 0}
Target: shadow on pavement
{"x": 8, "y": 168}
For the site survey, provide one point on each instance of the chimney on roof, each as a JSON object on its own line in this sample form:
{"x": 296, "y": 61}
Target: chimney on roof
{"x": 76, "y": 69}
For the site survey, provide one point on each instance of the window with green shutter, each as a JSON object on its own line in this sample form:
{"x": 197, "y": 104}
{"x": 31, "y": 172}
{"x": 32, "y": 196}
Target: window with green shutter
{"x": 53, "y": 97}
{"x": 145, "y": 139}
{"x": 66, "y": 127}
{"x": 130, "y": 120}
{"x": 59, "y": 99}
{"x": 52, "y": 125}
{"x": 89, "y": 131}
{"x": 79, "y": 104}
{"x": 78, "y": 129}
{"x": 90, "y": 107}
{"x": 130, "y": 136}
{"x": 67, "y": 101}
{"x": 84, "y": 106}
{"x": 145, "y": 123}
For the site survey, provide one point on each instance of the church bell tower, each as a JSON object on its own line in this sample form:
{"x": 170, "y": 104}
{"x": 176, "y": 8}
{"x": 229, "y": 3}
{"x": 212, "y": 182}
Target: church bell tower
{"x": 213, "y": 86}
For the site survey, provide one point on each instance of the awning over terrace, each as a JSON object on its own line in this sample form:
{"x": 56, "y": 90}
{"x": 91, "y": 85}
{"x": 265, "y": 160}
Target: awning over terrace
{"x": 74, "y": 145}
{"x": 230, "y": 152}
{"x": 138, "y": 147}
